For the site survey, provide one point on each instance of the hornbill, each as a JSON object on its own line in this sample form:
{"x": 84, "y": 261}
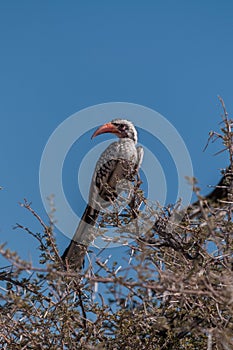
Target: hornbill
{"x": 119, "y": 162}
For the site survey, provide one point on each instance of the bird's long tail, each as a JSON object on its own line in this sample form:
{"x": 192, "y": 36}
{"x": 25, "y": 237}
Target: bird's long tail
{"x": 74, "y": 254}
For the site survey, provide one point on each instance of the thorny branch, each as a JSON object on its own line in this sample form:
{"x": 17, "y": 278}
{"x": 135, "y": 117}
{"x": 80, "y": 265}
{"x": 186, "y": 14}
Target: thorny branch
{"x": 174, "y": 292}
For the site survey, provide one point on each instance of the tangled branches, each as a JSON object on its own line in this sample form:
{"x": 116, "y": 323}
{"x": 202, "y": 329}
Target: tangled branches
{"x": 174, "y": 292}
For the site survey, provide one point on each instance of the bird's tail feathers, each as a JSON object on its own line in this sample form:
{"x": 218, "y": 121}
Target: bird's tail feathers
{"x": 74, "y": 254}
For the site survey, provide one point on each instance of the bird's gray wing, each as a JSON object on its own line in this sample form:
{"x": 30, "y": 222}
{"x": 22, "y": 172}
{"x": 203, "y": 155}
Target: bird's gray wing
{"x": 140, "y": 155}
{"x": 108, "y": 177}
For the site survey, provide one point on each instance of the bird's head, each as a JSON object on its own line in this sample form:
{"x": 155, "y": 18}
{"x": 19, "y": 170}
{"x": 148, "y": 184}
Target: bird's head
{"x": 122, "y": 128}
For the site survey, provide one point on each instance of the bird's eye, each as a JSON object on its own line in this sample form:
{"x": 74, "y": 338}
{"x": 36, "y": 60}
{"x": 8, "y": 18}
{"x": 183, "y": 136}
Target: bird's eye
{"x": 123, "y": 127}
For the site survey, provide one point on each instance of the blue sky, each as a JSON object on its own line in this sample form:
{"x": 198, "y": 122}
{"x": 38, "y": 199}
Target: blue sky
{"x": 59, "y": 57}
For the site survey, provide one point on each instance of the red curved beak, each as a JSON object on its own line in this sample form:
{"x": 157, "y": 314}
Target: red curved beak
{"x": 109, "y": 127}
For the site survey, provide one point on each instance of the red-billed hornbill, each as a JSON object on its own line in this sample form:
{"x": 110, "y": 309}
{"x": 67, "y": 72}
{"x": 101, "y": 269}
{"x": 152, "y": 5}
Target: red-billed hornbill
{"x": 120, "y": 161}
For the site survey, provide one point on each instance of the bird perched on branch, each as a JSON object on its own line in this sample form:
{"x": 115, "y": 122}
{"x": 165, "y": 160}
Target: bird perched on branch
{"x": 119, "y": 162}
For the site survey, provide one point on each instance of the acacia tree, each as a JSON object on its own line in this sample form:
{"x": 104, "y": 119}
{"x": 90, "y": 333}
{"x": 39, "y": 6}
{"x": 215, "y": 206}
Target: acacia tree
{"x": 176, "y": 292}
